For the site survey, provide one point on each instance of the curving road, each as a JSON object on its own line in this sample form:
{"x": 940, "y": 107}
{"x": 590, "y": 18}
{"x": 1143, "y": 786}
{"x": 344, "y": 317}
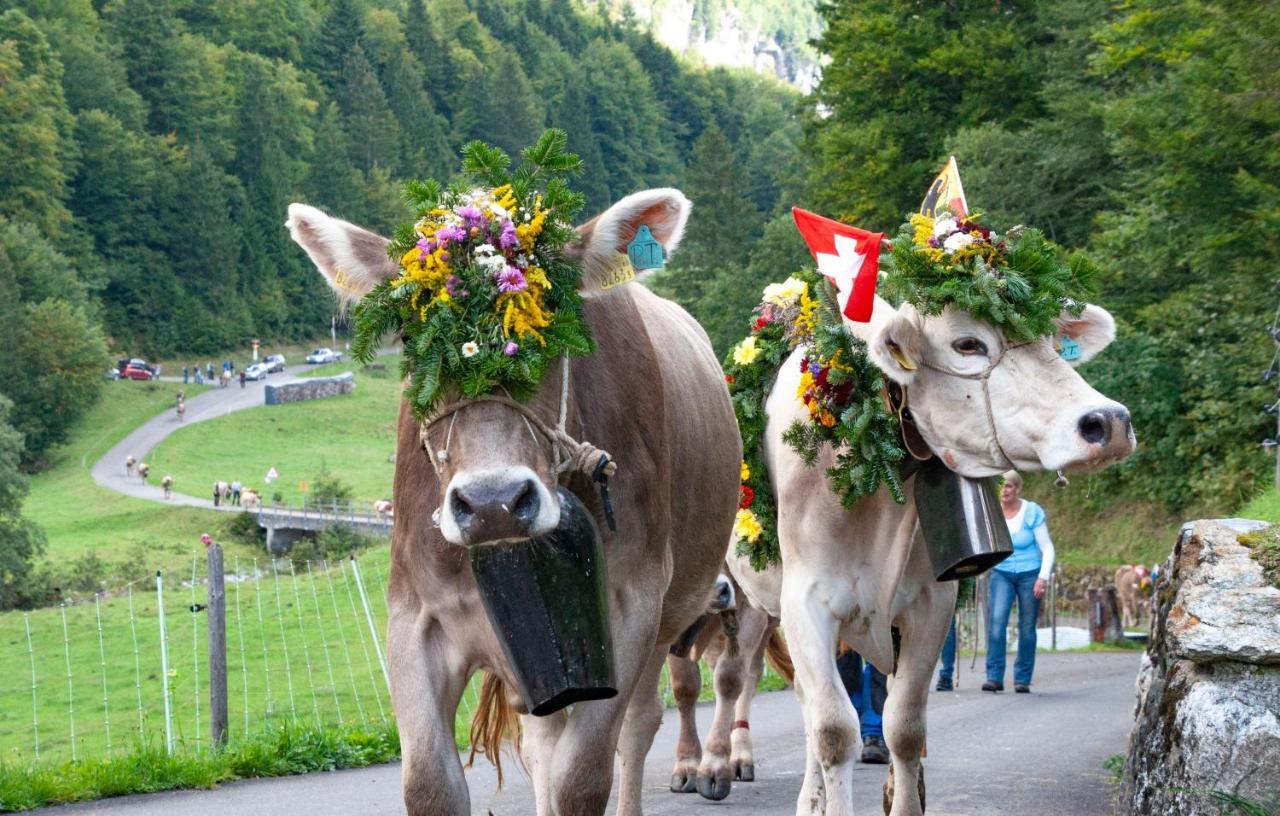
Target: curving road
{"x": 988, "y": 754}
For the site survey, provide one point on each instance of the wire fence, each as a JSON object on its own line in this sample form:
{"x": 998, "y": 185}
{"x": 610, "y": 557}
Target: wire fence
{"x": 92, "y": 679}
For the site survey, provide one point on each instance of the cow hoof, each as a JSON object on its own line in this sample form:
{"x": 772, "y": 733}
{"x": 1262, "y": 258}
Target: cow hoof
{"x": 683, "y": 783}
{"x": 746, "y": 773}
{"x": 714, "y": 788}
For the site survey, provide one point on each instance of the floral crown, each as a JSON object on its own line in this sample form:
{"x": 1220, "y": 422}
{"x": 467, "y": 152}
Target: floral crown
{"x": 1019, "y": 281}
{"x": 485, "y": 297}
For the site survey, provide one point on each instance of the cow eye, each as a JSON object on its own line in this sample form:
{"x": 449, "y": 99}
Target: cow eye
{"x": 969, "y": 345}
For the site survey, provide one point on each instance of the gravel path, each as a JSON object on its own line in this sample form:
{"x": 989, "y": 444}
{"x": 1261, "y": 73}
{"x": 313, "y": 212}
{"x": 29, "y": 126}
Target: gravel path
{"x": 988, "y": 754}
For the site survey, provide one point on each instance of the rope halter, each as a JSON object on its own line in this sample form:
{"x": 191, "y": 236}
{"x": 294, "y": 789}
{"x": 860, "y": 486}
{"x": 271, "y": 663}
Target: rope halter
{"x": 567, "y": 454}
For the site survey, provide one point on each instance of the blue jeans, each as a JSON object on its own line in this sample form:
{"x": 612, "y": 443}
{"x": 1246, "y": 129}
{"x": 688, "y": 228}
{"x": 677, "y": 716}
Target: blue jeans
{"x": 948, "y": 669}
{"x": 1005, "y": 586}
{"x": 867, "y": 690}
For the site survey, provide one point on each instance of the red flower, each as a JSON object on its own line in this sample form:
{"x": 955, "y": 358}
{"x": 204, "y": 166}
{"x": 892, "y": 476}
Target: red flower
{"x": 728, "y": 378}
{"x": 745, "y": 497}
{"x": 760, "y": 323}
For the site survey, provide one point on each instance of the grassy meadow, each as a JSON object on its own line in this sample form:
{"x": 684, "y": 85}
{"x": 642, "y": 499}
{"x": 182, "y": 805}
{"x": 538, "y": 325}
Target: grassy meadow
{"x": 353, "y": 436}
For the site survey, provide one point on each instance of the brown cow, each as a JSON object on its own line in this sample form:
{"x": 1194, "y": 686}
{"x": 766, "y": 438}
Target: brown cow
{"x": 1133, "y": 581}
{"x": 653, "y": 395}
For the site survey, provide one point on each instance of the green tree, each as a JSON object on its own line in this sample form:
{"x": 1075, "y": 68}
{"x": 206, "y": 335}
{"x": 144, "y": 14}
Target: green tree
{"x": 372, "y": 128}
{"x": 338, "y": 36}
{"x": 21, "y": 541}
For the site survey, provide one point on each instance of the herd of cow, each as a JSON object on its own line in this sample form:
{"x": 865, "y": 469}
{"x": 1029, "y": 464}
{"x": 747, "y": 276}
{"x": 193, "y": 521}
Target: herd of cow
{"x": 654, "y": 396}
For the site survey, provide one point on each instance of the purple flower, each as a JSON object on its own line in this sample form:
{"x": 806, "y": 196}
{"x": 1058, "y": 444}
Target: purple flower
{"x": 510, "y": 349}
{"x": 815, "y": 369}
{"x": 508, "y": 238}
{"x": 453, "y": 285}
{"x": 452, "y": 233}
{"x": 511, "y": 280}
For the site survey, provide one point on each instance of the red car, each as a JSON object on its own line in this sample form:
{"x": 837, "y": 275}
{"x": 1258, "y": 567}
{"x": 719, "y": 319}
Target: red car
{"x": 133, "y": 371}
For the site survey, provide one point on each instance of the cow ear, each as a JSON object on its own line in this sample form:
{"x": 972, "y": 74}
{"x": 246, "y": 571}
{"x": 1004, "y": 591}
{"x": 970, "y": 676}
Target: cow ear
{"x": 1092, "y": 330}
{"x": 352, "y": 259}
{"x": 602, "y": 243}
{"x": 896, "y": 345}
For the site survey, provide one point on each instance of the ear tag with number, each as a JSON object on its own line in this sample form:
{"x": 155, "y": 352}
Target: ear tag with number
{"x": 618, "y": 272}
{"x": 645, "y": 252}
{"x": 1070, "y": 349}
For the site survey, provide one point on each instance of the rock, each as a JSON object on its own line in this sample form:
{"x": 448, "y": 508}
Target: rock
{"x": 315, "y": 388}
{"x": 1208, "y": 692}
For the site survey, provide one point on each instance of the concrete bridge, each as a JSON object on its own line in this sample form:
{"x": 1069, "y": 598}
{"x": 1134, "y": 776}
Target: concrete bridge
{"x": 285, "y": 524}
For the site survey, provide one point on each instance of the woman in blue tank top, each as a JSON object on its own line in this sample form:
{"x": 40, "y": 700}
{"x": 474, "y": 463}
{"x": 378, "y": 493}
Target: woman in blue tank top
{"x": 1024, "y": 576}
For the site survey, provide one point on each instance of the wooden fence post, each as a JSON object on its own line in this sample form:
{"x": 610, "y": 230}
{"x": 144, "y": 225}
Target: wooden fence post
{"x": 217, "y": 644}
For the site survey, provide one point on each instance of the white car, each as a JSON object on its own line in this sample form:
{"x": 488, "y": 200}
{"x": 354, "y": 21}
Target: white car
{"x": 257, "y": 371}
{"x": 324, "y": 355}
{"x": 274, "y": 362}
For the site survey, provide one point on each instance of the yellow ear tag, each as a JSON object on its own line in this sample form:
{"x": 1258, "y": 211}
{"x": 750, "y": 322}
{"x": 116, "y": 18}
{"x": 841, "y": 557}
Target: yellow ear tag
{"x": 618, "y": 272}
{"x": 897, "y": 354}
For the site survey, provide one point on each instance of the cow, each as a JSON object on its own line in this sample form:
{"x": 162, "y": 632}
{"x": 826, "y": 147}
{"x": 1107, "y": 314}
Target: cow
{"x": 384, "y": 509}
{"x": 182, "y": 411}
{"x": 983, "y": 406}
{"x": 221, "y": 492}
{"x": 167, "y": 484}
{"x": 734, "y": 638}
{"x": 129, "y": 463}
{"x": 1133, "y": 583}
{"x": 652, "y": 394}
{"x": 143, "y": 470}
{"x": 250, "y": 499}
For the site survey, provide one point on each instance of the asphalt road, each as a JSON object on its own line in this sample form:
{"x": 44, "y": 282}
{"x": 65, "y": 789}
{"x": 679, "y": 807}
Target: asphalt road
{"x": 988, "y": 754}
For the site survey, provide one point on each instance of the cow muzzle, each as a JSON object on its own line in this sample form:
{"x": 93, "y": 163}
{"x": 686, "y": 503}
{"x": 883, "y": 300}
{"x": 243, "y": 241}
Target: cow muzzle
{"x": 1108, "y": 433}
{"x": 497, "y": 505}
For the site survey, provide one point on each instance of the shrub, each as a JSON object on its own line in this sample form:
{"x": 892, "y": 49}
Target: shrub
{"x": 337, "y": 541}
{"x": 244, "y": 528}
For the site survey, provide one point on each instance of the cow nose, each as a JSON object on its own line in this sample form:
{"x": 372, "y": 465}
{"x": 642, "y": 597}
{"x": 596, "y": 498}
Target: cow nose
{"x": 493, "y": 512}
{"x": 724, "y": 594}
{"x": 1101, "y": 426}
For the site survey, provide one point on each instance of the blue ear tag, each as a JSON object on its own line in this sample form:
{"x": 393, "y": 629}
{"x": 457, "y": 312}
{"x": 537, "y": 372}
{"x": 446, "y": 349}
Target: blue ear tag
{"x": 645, "y": 252}
{"x": 1070, "y": 349}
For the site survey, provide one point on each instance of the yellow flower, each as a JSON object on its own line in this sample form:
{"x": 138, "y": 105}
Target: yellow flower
{"x": 785, "y": 293}
{"x": 522, "y": 314}
{"x": 745, "y": 353}
{"x": 806, "y": 383}
{"x": 804, "y": 320}
{"x": 747, "y": 527}
{"x": 924, "y": 229}
{"x": 746, "y": 471}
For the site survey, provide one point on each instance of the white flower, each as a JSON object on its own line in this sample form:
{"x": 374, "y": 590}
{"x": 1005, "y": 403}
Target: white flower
{"x": 485, "y": 249}
{"x": 956, "y": 241}
{"x": 943, "y": 227}
{"x": 785, "y": 293}
{"x": 493, "y": 263}
{"x": 470, "y": 349}
{"x": 500, "y": 212}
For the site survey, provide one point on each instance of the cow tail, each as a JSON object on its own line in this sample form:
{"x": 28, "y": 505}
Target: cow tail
{"x": 775, "y": 650}
{"x": 493, "y": 722}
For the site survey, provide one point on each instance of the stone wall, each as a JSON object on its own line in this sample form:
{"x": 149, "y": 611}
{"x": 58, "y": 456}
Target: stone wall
{"x": 315, "y": 388}
{"x": 1208, "y": 709}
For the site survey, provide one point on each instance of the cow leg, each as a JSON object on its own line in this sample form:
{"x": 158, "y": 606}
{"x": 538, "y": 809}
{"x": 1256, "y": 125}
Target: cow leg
{"x": 537, "y": 749}
{"x": 644, "y": 715}
{"x": 924, "y": 628}
{"x": 715, "y": 775}
{"x": 686, "y": 685}
{"x": 427, "y": 682}
{"x": 741, "y": 761}
{"x": 831, "y": 723}
{"x": 813, "y": 795}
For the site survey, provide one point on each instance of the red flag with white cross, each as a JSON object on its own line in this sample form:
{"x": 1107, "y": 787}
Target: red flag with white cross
{"x": 849, "y": 257}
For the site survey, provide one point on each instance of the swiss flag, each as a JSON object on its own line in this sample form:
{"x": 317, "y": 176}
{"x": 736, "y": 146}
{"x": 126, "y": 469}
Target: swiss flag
{"x": 848, "y": 256}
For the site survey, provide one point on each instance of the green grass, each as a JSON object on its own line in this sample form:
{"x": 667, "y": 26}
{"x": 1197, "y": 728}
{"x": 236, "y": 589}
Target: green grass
{"x": 352, "y": 435}
{"x": 146, "y": 768}
{"x": 1125, "y": 532}
{"x": 1264, "y": 507}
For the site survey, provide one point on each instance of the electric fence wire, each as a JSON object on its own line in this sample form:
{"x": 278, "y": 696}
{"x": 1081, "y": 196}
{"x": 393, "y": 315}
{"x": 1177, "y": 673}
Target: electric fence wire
{"x": 35, "y": 709}
{"x": 102, "y": 659}
{"x": 244, "y": 666}
{"x": 195, "y": 646}
{"x": 364, "y": 642}
{"x": 137, "y": 662}
{"x": 71, "y": 697}
{"x": 342, "y": 637}
{"x": 284, "y": 641}
{"x": 302, "y": 635}
{"x": 324, "y": 640}
{"x": 267, "y": 708}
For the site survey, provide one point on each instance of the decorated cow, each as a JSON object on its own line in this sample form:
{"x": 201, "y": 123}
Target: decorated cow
{"x": 869, "y": 427}
{"x": 1133, "y": 590}
{"x": 524, "y": 338}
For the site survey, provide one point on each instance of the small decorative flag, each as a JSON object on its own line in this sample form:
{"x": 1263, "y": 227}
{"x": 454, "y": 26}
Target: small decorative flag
{"x": 946, "y": 193}
{"x": 849, "y": 257}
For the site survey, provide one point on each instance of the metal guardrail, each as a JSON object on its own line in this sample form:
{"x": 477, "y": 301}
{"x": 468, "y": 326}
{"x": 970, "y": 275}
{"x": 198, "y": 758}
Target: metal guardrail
{"x": 314, "y": 515}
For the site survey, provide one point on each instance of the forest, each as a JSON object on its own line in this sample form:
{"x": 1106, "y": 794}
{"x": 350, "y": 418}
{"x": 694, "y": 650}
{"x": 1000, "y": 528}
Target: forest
{"x": 148, "y": 149}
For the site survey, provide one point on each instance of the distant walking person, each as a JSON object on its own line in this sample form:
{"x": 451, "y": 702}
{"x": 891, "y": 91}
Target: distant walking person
{"x": 167, "y": 484}
{"x": 185, "y": 372}
{"x": 1023, "y": 575}
{"x": 209, "y": 372}
{"x": 242, "y": 379}
{"x": 235, "y": 492}
{"x": 217, "y": 493}
{"x": 199, "y": 376}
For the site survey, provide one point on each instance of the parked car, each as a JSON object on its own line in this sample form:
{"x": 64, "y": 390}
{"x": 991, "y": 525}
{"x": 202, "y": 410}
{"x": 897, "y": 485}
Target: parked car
{"x": 324, "y": 355}
{"x": 257, "y": 371}
{"x": 274, "y": 363}
{"x": 121, "y": 365}
{"x": 134, "y": 371}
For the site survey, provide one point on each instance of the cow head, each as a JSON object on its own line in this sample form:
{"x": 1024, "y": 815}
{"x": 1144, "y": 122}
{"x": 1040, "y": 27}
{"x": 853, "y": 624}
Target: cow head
{"x": 495, "y": 469}
{"x": 984, "y": 404}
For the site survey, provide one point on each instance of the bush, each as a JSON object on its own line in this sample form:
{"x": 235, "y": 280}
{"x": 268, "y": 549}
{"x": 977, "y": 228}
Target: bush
{"x": 244, "y": 529}
{"x": 328, "y": 487}
{"x": 338, "y": 541}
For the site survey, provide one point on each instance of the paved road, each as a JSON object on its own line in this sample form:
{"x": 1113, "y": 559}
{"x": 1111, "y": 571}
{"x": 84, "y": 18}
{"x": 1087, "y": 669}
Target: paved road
{"x": 988, "y": 754}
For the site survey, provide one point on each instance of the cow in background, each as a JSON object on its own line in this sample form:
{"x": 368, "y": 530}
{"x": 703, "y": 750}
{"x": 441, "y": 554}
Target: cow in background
{"x": 1133, "y": 588}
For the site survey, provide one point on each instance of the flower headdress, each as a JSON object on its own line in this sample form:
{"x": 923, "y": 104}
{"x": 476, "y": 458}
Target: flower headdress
{"x": 485, "y": 298}
{"x": 1019, "y": 282}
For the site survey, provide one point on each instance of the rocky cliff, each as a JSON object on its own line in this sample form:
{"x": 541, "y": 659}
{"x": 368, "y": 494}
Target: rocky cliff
{"x": 768, "y": 36}
{"x": 1207, "y": 722}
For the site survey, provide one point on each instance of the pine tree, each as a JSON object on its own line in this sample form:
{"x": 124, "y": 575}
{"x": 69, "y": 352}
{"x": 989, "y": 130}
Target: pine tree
{"x": 371, "y": 126}
{"x": 424, "y": 145}
{"x": 339, "y": 34}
